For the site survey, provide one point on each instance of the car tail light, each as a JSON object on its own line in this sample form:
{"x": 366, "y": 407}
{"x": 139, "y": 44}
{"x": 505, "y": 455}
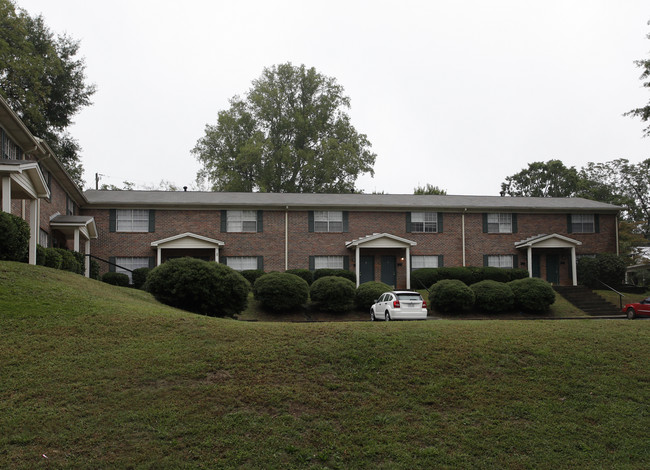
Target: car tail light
{"x": 424, "y": 304}
{"x": 395, "y": 303}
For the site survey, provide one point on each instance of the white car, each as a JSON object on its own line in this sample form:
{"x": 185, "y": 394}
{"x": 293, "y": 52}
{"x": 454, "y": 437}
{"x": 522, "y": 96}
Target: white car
{"x": 399, "y": 305}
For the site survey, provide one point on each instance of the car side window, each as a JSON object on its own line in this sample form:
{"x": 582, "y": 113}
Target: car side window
{"x": 381, "y": 298}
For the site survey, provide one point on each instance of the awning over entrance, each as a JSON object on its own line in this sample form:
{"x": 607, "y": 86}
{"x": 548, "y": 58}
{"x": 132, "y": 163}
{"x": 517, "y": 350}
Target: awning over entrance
{"x": 550, "y": 241}
{"x": 379, "y": 241}
{"x": 187, "y": 241}
{"x": 77, "y": 227}
{"x": 23, "y": 179}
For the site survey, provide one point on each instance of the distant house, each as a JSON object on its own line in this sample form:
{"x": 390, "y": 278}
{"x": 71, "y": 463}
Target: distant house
{"x": 36, "y": 187}
{"x": 380, "y": 237}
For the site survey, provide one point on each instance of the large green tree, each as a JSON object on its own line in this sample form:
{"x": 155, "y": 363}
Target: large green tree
{"x": 542, "y": 179}
{"x": 43, "y": 80}
{"x": 289, "y": 133}
{"x": 429, "y": 189}
{"x": 643, "y": 112}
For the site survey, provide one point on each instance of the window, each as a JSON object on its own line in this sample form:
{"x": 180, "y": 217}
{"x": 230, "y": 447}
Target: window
{"x": 132, "y": 220}
{"x": 499, "y": 223}
{"x": 241, "y": 221}
{"x": 419, "y": 262}
{"x": 43, "y": 238}
{"x": 8, "y": 148}
{"x": 424, "y": 222}
{"x": 328, "y": 221}
{"x": 329, "y": 262}
{"x": 69, "y": 207}
{"x": 242, "y": 263}
{"x": 130, "y": 263}
{"x": 582, "y": 223}
{"x": 500, "y": 261}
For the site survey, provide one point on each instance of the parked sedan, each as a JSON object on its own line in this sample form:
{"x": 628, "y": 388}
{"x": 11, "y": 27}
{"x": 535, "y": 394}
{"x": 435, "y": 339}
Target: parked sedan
{"x": 639, "y": 309}
{"x": 399, "y": 305}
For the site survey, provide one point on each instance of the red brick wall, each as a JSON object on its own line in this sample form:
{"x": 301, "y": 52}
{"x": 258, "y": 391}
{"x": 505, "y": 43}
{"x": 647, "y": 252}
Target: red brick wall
{"x": 302, "y": 244}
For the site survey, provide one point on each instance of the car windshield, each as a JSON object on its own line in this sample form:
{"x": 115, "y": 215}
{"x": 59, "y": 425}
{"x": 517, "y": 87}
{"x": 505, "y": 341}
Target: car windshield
{"x": 410, "y": 297}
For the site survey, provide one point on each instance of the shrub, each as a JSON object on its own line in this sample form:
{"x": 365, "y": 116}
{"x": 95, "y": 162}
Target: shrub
{"x": 53, "y": 259}
{"x": 14, "y": 242}
{"x": 424, "y": 277}
{"x": 199, "y": 286}
{"x": 333, "y": 294}
{"x": 368, "y": 292}
{"x": 81, "y": 262}
{"x": 306, "y": 274}
{"x": 40, "y": 255}
{"x": 451, "y": 295}
{"x": 116, "y": 279}
{"x": 139, "y": 277}
{"x": 606, "y": 267}
{"x": 280, "y": 292}
{"x": 494, "y": 274}
{"x": 344, "y": 273}
{"x": 492, "y": 296}
{"x": 517, "y": 273}
{"x": 94, "y": 269}
{"x": 532, "y": 294}
{"x": 251, "y": 275}
{"x": 69, "y": 262}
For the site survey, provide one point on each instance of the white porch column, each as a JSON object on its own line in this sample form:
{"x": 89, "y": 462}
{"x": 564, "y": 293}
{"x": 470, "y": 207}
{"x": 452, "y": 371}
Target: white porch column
{"x": 34, "y": 226}
{"x": 408, "y": 267}
{"x": 87, "y": 258}
{"x": 574, "y": 270}
{"x": 216, "y": 255}
{"x": 159, "y": 256}
{"x": 6, "y": 194}
{"x": 357, "y": 268}
{"x": 76, "y": 239}
{"x": 530, "y": 261}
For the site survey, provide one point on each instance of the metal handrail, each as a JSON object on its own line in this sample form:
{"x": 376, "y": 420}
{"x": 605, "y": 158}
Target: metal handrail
{"x": 620, "y": 295}
{"x": 109, "y": 262}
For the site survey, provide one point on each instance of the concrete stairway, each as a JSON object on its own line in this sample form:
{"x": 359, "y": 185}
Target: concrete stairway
{"x": 587, "y": 300}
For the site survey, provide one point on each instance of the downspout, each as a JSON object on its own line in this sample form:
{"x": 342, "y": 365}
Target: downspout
{"x": 463, "y": 233}
{"x": 617, "y": 242}
{"x": 286, "y": 238}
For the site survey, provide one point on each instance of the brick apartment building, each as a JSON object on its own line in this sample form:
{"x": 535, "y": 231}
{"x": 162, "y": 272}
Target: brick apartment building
{"x": 379, "y": 236}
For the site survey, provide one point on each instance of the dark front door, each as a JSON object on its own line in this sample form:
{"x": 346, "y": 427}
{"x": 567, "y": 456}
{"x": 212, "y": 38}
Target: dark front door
{"x": 367, "y": 269}
{"x": 388, "y": 270}
{"x": 537, "y": 272}
{"x": 553, "y": 269}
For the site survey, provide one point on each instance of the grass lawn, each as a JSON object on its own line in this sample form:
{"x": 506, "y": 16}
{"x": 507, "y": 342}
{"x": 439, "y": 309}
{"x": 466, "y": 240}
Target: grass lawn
{"x": 96, "y": 376}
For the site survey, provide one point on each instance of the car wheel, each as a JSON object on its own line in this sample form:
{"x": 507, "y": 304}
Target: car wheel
{"x": 631, "y": 313}
{"x": 387, "y": 316}
{"x": 372, "y": 315}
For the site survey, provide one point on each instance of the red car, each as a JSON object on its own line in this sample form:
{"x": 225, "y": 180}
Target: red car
{"x": 639, "y": 309}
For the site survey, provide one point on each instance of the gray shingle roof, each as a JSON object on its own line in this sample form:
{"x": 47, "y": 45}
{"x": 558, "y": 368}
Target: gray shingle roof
{"x": 280, "y": 201}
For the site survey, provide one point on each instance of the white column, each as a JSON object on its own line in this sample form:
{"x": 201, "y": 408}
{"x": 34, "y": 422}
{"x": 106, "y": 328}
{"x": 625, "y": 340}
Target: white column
{"x": 574, "y": 270}
{"x": 76, "y": 239}
{"x": 530, "y": 261}
{"x": 408, "y": 267}
{"x": 6, "y": 194}
{"x": 216, "y": 255}
{"x": 462, "y": 228}
{"x": 87, "y": 258}
{"x": 357, "y": 267}
{"x": 159, "y": 257}
{"x": 34, "y": 226}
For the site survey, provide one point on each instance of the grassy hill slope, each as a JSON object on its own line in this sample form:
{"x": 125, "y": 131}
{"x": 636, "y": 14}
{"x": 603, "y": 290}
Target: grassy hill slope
{"x": 97, "y": 376}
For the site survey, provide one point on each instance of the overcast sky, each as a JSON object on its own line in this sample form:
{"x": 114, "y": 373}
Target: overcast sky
{"x": 456, "y": 93}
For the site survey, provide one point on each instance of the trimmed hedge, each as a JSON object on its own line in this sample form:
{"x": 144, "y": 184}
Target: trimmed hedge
{"x": 199, "y": 286}
{"x": 344, "y": 273}
{"x": 306, "y": 274}
{"x": 53, "y": 259}
{"x": 493, "y": 296}
{"x": 421, "y": 278}
{"x": 14, "y": 241}
{"x": 532, "y": 294}
{"x": 252, "y": 275}
{"x": 333, "y": 294}
{"x": 69, "y": 261}
{"x": 451, "y": 295}
{"x": 116, "y": 279}
{"x": 139, "y": 277}
{"x": 368, "y": 292}
{"x": 279, "y": 292}
{"x": 606, "y": 267}
{"x": 94, "y": 269}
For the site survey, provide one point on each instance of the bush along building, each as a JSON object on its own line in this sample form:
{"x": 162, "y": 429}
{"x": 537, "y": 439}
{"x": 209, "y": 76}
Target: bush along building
{"x": 380, "y": 237}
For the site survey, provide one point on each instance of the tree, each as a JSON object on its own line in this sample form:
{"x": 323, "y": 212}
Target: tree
{"x": 429, "y": 189}
{"x": 289, "y": 133}
{"x": 644, "y": 112}
{"x": 543, "y": 179}
{"x": 43, "y": 80}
